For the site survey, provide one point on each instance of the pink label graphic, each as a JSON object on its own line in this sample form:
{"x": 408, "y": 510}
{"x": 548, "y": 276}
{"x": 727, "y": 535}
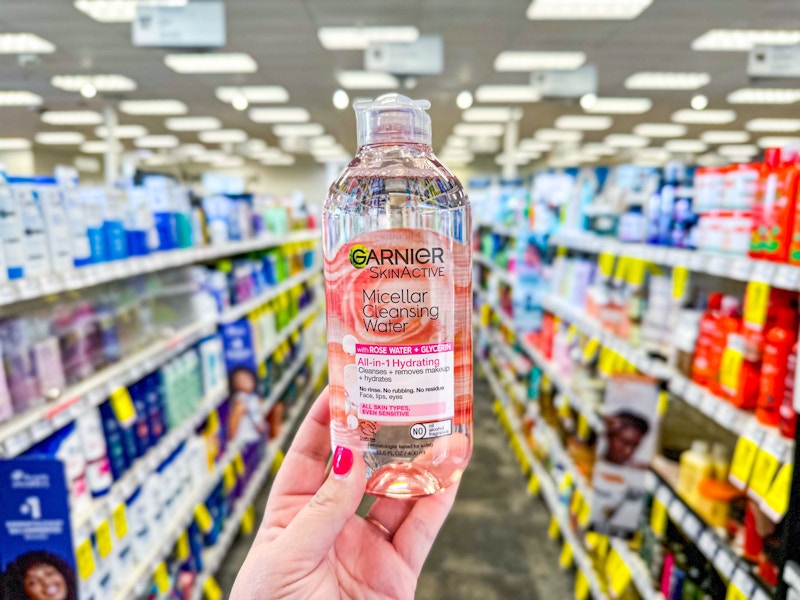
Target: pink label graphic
{"x": 400, "y": 384}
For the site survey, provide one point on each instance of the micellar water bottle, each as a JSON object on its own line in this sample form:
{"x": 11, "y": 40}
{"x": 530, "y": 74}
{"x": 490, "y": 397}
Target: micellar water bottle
{"x": 398, "y": 282}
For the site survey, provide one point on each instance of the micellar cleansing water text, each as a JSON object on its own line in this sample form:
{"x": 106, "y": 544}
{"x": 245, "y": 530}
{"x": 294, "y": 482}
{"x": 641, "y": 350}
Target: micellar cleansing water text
{"x": 398, "y": 282}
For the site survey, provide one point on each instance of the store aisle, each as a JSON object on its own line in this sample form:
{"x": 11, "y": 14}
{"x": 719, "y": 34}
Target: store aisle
{"x": 494, "y": 545}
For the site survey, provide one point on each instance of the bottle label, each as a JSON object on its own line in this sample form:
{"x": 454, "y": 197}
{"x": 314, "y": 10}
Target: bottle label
{"x": 398, "y": 339}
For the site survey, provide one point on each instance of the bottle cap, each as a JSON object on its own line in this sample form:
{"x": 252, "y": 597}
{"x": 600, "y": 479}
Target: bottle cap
{"x": 393, "y": 118}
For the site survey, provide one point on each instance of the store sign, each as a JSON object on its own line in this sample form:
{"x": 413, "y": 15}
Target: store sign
{"x": 195, "y": 25}
{"x": 774, "y": 61}
{"x": 423, "y": 57}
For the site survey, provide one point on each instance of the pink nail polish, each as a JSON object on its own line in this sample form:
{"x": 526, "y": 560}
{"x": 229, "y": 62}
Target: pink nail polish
{"x": 342, "y": 461}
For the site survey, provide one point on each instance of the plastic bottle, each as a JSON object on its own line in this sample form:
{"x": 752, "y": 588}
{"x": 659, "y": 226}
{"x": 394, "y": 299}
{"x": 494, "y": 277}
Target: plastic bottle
{"x": 12, "y": 231}
{"x": 788, "y": 424}
{"x": 738, "y": 376}
{"x": 780, "y": 339}
{"x": 728, "y": 323}
{"x": 56, "y": 224}
{"x": 396, "y": 242}
{"x": 695, "y": 465}
{"x": 765, "y": 203}
{"x": 34, "y": 241}
{"x": 701, "y": 372}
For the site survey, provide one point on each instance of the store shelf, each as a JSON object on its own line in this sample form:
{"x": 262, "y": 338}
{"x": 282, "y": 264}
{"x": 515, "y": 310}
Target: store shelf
{"x": 283, "y": 383}
{"x": 213, "y": 557}
{"x": 502, "y": 273}
{"x": 739, "y": 268}
{"x": 86, "y": 277}
{"x": 234, "y": 313}
{"x": 288, "y": 329}
{"x": 547, "y": 487}
{"x": 141, "y": 575}
{"x": 716, "y": 408}
{"x": 640, "y": 575}
{"x": 26, "y": 429}
{"x": 144, "y": 467}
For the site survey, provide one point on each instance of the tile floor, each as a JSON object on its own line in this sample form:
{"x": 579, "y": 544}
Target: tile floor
{"x": 494, "y": 545}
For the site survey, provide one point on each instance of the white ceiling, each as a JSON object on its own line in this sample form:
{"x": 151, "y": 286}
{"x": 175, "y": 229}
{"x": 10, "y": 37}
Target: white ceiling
{"x": 281, "y": 36}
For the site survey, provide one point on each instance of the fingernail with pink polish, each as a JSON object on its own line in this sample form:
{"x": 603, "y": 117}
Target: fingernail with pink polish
{"x": 342, "y": 462}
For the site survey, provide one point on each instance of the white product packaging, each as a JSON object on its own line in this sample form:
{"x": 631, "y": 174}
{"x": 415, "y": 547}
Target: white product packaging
{"x": 35, "y": 248}
{"x": 67, "y": 178}
{"x": 56, "y": 224}
{"x": 98, "y": 469}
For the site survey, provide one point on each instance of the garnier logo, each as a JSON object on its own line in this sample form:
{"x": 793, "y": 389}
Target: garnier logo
{"x": 361, "y": 256}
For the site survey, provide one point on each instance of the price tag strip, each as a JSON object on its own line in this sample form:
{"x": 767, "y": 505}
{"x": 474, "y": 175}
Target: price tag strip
{"x": 744, "y": 455}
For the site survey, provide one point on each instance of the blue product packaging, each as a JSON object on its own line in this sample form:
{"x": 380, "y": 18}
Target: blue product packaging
{"x": 36, "y": 256}
{"x": 128, "y": 434}
{"x": 92, "y": 199}
{"x": 154, "y": 397}
{"x": 144, "y": 440}
{"x": 237, "y": 339}
{"x": 163, "y": 212}
{"x": 117, "y": 456}
{"x": 67, "y": 178}
{"x": 114, "y": 225}
{"x": 139, "y": 223}
{"x": 35, "y": 531}
{"x": 12, "y": 230}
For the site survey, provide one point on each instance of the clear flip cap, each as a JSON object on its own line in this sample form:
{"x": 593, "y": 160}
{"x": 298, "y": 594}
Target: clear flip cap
{"x": 393, "y": 118}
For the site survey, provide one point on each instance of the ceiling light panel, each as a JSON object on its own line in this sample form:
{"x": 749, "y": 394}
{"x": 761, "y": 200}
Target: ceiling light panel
{"x": 279, "y": 115}
{"x": 228, "y": 162}
{"x": 558, "y": 135}
{"x": 298, "y": 130}
{"x": 584, "y": 122}
{"x": 122, "y": 132}
{"x": 744, "y": 40}
{"x": 507, "y": 93}
{"x": 764, "y": 96}
{"x": 660, "y": 130}
{"x": 532, "y": 145}
{"x": 14, "y": 143}
{"x": 359, "y": 38}
{"x": 24, "y": 43}
{"x": 598, "y": 149}
{"x": 190, "y": 150}
{"x": 119, "y": 11}
{"x": 620, "y": 106}
{"x": 738, "y": 150}
{"x": 725, "y": 137}
{"x": 773, "y": 125}
{"x": 19, "y": 98}
{"x": 367, "y": 80}
{"x": 255, "y": 94}
{"x": 625, "y": 140}
{"x": 587, "y": 10}
{"x": 223, "y": 136}
{"x": 220, "y": 62}
{"x": 59, "y": 138}
{"x": 690, "y": 116}
{"x": 777, "y": 141}
{"x": 102, "y": 83}
{"x": 98, "y": 147}
{"x": 488, "y": 114}
{"x": 653, "y": 154}
{"x": 478, "y": 129}
{"x": 278, "y": 161}
{"x": 690, "y": 146}
{"x": 192, "y": 123}
{"x": 163, "y": 108}
{"x": 157, "y": 141}
{"x": 71, "y": 117}
{"x": 666, "y": 80}
{"x": 514, "y": 60}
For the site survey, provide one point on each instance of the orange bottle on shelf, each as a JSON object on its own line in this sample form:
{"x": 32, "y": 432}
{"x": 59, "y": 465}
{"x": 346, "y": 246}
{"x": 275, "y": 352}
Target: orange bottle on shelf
{"x": 738, "y": 377}
{"x": 708, "y": 322}
{"x": 764, "y": 207}
{"x": 788, "y": 415}
{"x": 779, "y": 340}
{"x": 778, "y": 206}
{"x": 727, "y": 323}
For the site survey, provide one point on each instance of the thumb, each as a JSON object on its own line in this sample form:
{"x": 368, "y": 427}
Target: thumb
{"x": 316, "y": 527}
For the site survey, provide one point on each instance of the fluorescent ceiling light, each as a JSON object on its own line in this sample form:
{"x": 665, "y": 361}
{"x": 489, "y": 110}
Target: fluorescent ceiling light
{"x": 625, "y": 140}
{"x": 59, "y": 138}
{"x": 192, "y": 123}
{"x": 209, "y": 156}
{"x": 456, "y": 141}
{"x": 72, "y": 117}
{"x": 98, "y": 147}
{"x": 190, "y": 150}
{"x": 102, "y": 83}
{"x": 516, "y": 159}
{"x": 507, "y": 93}
{"x": 24, "y": 43}
{"x": 14, "y": 143}
{"x": 486, "y": 114}
{"x": 228, "y": 162}
{"x": 255, "y": 94}
{"x": 764, "y": 96}
{"x": 520, "y": 60}
{"x": 122, "y": 132}
{"x": 367, "y": 80}
{"x": 298, "y": 130}
{"x": 153, "y": 107}
{"x": 710, "y": 160}
{"x": 279, "y": 115}
{"x": 478, "y": 129}
{"x": 744, "y": 40}
{"x": 213, "y": 62}
{"x": 725, "y": 137}
{"x": 323, "y": 141}
{"x": 251, "y": 146}
{"x": 359, "y": 38}
{"x": 278, "y": 161}
{"x": 777, "y": 141}
{"x": 690, "y": 116}
{"x": 660, "y": 130}
{"x": 738, "y": 150}
{"x": 666, "y": 80}
{"x": 583, "y": 122}
{"x": 223, "y": 136}
{"x": 598, "y": 149}
{"x": 773, "y": 125}
{"x": 558, "y": 135}
{"x": 620, "y": 106}
{"x": 268, "y": 153}
{"x": 119, "y": 11}
{"x": 157, "y": 141}
{"x": 19, "y": 98}
{"x": 586, "y": 10}
{"x": 532, "y": 145}
{"x": 692, "y": 146}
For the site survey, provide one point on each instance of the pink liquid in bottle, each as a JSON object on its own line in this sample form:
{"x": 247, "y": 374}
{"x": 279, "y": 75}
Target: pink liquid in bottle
{"x": 398, "y": 282}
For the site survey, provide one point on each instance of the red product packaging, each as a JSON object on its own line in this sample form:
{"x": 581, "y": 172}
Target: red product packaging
{"x": 779, "y": 340}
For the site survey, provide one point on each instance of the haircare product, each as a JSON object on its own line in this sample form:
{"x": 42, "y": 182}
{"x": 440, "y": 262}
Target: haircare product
{"x": 396, "y": 240}
{"x": 788, "y": 424}
{"x": 780, "y": 339}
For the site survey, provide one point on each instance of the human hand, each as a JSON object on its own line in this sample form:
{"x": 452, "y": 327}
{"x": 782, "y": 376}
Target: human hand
{"x": 312, "y": 545}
